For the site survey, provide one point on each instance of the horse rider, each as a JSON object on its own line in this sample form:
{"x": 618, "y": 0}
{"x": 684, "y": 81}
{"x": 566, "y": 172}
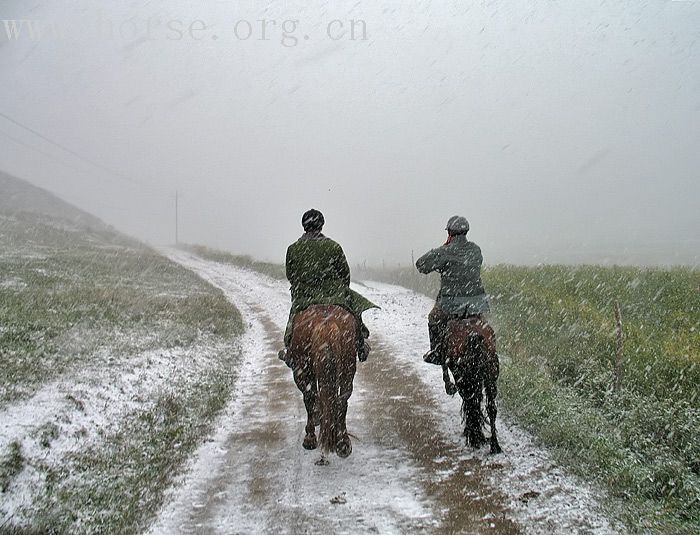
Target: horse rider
{"x": 319, "y": 274}
{"x": 461, "y": 292}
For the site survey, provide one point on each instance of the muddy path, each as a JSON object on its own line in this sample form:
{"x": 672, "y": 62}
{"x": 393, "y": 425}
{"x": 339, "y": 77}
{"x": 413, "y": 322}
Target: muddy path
{"x": 403, "y": 416}
{"x": 409, "y": 470}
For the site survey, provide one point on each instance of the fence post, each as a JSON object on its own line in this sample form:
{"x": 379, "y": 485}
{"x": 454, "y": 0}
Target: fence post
{"x": 619, "y": 369}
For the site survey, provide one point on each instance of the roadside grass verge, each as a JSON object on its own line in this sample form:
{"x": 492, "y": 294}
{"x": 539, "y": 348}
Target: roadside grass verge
{"x": 63, "y": 301}
{"x": 556, "y": 325}
{"x": 118, "y": 485}
{"x": 276, "y": 271}
{"x": 120, "y": 361}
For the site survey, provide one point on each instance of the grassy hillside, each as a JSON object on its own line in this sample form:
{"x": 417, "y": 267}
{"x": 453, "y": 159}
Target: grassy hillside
{"x": 557, "y": 333}
{"x": 114, "y": 362}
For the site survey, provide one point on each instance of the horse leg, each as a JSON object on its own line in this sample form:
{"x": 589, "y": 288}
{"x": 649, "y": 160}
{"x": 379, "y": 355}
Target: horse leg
{"x": 306, "y": 382}
{"x": 471, "y": 401}
{"x": 491, "y": 393}
{"x": 344, "y": 445}
{"x": 310, "y": 442}
{"x": 471, "y": 412}
{"x": 325, "y": 369}
{"x": 450, "y": 387}
{"x": 476, "y": 436}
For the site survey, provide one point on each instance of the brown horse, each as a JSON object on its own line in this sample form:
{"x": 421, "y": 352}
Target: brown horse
{"x": 322, "y": 352}
{"x": 473, "y": 361}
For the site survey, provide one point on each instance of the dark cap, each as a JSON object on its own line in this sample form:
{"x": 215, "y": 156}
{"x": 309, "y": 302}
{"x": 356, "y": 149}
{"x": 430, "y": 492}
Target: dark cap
{"x": 312, "y": 220}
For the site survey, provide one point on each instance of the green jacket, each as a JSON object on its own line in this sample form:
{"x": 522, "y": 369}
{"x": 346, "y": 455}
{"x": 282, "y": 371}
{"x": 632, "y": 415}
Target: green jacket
{"x": 459, "y": 264}
{"x": 319, "y": 275}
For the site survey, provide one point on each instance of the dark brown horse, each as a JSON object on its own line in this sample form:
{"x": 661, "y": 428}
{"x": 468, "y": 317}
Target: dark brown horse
{"x": 473, "y": 361}
{"x": 322, "y": 352}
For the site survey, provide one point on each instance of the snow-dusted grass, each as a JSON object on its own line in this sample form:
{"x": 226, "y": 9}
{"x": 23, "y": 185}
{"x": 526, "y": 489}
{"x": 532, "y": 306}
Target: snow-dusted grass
{"x": 556, "y": 325}
{"x": 78, "y": 302}
{"x": 115, "y": 362}
{"x": 118, "y": 483}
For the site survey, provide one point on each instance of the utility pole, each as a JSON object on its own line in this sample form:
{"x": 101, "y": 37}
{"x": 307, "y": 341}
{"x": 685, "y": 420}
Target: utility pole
{"x": 176, "y": 233}
{"x": 412, "y": 267}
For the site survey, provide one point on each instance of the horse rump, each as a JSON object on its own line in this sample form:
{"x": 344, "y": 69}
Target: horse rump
{"x": 324, "y": 340}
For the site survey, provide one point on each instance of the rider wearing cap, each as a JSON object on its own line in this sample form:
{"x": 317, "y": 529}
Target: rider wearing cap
{"x": 461, "y": 292}
{"x": 319, "y": 274}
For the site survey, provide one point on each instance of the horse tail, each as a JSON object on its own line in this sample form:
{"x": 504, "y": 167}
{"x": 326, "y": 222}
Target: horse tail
{"x": 324, "y": 339}
{"x": 471, "y": 389}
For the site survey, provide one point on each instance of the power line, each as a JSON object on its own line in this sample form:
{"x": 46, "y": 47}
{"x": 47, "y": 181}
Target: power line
{"x": 69, "y": 151}
{"x": 60, "y": 161}
{"x": 69, "y": 166}
{"x": 48, "y": 155}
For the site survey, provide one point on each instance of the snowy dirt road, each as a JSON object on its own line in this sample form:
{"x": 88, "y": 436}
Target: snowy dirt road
{"x": 409, "y": 471}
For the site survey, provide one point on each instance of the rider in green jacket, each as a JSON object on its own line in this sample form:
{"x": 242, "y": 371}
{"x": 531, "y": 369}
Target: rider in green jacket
{"x": 319, "y": 274}
{"x": 461, "y": 292}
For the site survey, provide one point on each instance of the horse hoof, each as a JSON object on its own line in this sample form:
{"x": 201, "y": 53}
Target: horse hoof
{"x": 322, "y": 462}
{"x": 310, "y": 442}
{"x": 495, "y": 449}
{"x": 344, "y": 448}
{"x": 451, "y": 389}
{"x": 476, "y": 441}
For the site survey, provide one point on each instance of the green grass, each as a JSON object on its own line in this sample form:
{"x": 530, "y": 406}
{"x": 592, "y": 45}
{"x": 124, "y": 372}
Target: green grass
{"x": 70, "y": 297}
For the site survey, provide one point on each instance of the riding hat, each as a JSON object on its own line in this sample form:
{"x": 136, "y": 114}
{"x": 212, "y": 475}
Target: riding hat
{"x": 457, "y": 225}
{"x": 312, "y": 220}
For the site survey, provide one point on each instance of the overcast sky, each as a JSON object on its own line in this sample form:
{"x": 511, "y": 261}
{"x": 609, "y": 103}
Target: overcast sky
{"x": 563, "y": 130}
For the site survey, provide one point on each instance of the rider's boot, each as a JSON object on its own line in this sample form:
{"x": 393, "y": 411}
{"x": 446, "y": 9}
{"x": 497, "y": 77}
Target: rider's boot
{"x": 363, "y": 347}
{"x": 283, "y": 355}
{"x": 435, "y": 355}
{"x": 363, "y": 351}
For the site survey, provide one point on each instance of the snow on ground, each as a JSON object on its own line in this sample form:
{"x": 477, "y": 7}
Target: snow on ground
{"x": 236, "y": 484}
{"x": 75, "y": 412}
{"x": 254, "y": 475}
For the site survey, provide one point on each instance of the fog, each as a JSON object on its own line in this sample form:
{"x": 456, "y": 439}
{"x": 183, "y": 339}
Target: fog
{"x": 564, "y": 131}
